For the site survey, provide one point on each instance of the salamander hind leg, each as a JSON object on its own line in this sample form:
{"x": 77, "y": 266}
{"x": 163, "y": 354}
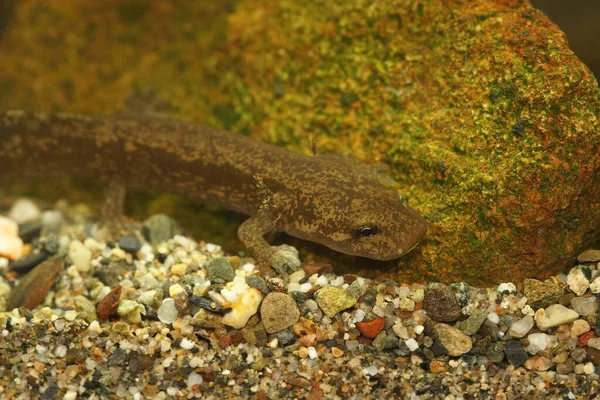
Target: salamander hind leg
{"x": 283, "y": 259}
{"x": 113, "y": 223}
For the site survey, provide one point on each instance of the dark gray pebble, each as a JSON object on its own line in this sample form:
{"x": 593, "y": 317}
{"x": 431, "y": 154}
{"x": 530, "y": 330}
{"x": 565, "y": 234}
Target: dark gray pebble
{"x": 208, "y": 304}
{"x": 286, "y": 337}
{"x": 515, "y": 353}
{"x": 27, "y": 263}
{"x": 258, "y": 283}
{"x": 29, "y": 231}
{"x": 130, "y": 244}
{"x": 50, "y": 392}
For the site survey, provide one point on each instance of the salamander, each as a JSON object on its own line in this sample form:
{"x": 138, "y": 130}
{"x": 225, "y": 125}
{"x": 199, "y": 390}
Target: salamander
{"x": 334, "y": 201}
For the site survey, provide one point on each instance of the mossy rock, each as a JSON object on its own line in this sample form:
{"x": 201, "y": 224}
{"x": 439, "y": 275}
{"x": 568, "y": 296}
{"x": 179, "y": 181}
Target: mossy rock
{"x": 488, "y": 120}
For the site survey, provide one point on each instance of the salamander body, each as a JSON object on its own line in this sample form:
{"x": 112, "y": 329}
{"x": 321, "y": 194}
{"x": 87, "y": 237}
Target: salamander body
{"x": 333, "y": 201}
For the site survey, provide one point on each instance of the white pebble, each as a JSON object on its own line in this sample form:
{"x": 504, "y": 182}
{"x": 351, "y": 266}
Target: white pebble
{"x": 51, "y": 221}
{"x": 595, "y": 286}
{"x": 359, "y": 315}
{"x": 60, "y": 351}
{"x": 194, "y": 379}
{"x": 339, "y": 281}
{"x": 81, "y": 256}
{"x": 493, "y": 317}
{"x": 305, "y": 287}
{"x": 297, "y": 276}
{"x": 8, "y": 227}
{"x": 419, "y": 329}
{"x": 539, "y": 342}
{"x": 312, "y": 352}
{"x": 521, "y": 327}
{"x": 11, "y": 247}
{"x": 70, "y": 395}
{"x": 577, "y": 281}
{"x": 555, "y": 315}
{"x": 412, "y": 344}
{"x": 186, "y": 344}
{"x": 167, "y": 312}
{"x": 23, "y": 211}
{"x": 70, "y": 315}
{"x": 588, "y": 368}
{"x": 371, "y": 370}
{"x": 243, "y": 308}
{"x": 249, "y": 268}
{"x": 508, "y": 286}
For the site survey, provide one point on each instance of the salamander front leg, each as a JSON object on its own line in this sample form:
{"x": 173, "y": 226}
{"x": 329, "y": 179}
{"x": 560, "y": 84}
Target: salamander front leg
{"x": 283, "y": 259}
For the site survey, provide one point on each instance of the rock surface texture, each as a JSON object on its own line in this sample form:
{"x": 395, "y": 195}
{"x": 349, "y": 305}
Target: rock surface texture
{"x": 486, "y": 118}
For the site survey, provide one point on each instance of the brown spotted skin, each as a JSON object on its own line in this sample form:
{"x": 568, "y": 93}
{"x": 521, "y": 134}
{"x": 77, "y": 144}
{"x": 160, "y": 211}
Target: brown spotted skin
{"x": 329, "y": 200}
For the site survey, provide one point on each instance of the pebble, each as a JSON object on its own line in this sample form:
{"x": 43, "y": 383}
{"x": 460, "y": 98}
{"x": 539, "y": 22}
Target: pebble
{"x": 130, "y": 244}
{"x": 27, "y": 263}
{"x": 541, "y": 294}
{"x": 160, "y": 228}
{"x": 23, "y": 211}
{"x": 440, "y": 303}
{"x": 278, "y": 311}
{"x": 243, "y": 308}
{"x": 595, "y": 286}
{"x": 539, "y": 342}
{"x": 33, "y": 287}
{"x": 208, "y": 304}
{"x": 515, "y": 353}
{"x": 80, "y": 256}
{"x": 11, "y": 245}
{"x": 109, "y": 304}
{"x": 507, "y": 287}
{"x": 333, "y": 299}
{"x": 521, "y": 327}
{"x": 588, "y": 256}
{"x": 578, "y": 281}
{"x": 585, "y": 306}
{"x": 472, "y": 324}
{"x": 219, "y": 268}
{"x": 538, "y": 363}
{"x": 167, "y": 312}
{"x": 259, "y": 283}
{"x": 594, "y": 343}
{"x": 371, "y": 329}
{"x": 579, "y": 327}
{"x": 555, "y": 315}
{"x": 51, "y": 221}
{"x": 456, "y": 342}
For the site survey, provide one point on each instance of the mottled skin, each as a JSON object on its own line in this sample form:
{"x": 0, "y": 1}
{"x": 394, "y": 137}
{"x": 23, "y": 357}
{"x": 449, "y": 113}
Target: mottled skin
{"x": 330, "y": 200}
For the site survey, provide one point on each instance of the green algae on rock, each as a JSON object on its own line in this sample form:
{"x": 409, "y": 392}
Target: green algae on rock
{"x": 486, "y": 117}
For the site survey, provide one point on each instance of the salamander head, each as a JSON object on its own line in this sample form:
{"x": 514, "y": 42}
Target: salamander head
{"x": 370, "y": 221}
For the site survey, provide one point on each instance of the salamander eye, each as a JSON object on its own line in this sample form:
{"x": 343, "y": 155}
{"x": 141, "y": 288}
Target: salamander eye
{"x": 366, "y": 231}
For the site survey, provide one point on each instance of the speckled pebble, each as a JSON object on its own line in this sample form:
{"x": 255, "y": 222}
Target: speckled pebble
{"x": 456, "y": 342}
{"x": 333, "y": 299}
{"x": 219, "y": 268}
{"x": 472, "y": 324}
{"x": 440, "y": 303}
{"x": 541, "y": 294}
{"x": 278, "y": 311}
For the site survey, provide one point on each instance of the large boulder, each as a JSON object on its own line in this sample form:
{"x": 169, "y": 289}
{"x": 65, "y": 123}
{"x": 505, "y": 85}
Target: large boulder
{"x": 488, "y": 120}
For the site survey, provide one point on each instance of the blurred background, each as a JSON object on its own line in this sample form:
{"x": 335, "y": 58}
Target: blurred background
{"x": 580, "y": 20}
